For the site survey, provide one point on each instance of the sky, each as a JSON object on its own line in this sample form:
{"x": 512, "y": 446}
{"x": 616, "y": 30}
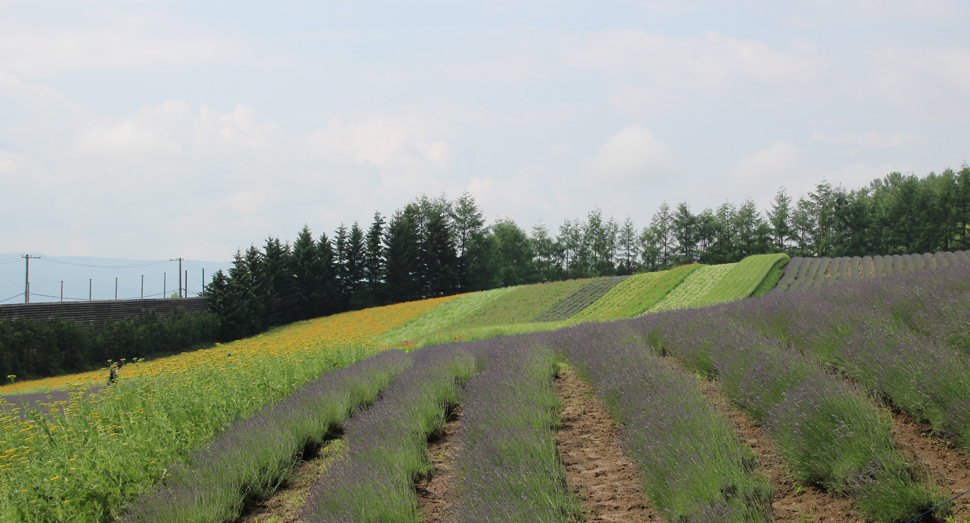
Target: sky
{"x": 152, "y": 130}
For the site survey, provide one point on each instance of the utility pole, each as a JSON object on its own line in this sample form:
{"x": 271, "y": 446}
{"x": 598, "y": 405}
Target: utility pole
{"x": 180, "y": 274}
{"x": 27, "y": 257}
{"x": 186, "y": 283}
{"x": 116, "y": 289}
{"x": 203, "y": 281}
{"x": 90, "y": 288}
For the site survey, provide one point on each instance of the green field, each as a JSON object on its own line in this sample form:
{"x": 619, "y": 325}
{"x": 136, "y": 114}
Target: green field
{"x": 694, "y": 287}
{"x": 743, "y": 279}
{"x": 636, "y": 294}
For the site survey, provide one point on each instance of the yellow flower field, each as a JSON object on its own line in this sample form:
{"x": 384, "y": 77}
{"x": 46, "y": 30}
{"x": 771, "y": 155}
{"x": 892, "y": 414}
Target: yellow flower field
{"x": 87, "y": 454}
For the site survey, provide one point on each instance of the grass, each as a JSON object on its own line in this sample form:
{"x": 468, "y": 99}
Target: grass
{"x": 517, "y": 306}
{"x": 743, "y": 279}
{"x": 636, "y": 294}
{"x": 447, "y": 314}
{"x": 256, "y": 454}
{"x": 104, "y": 449}
{"x": 694, "y": 287}
{"x": 580, "y": 299}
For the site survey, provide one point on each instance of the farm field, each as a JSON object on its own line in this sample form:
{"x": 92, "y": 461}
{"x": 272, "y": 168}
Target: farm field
{"x": 743, "y": 279}
{"x": 807, "y": 273}
{"x": 101, "y": 449}
{"x": 636, "y": 294}
{"x": 804, "y": 368}
{"x": 694, "y": 287}
{"x": 518, "y": 306}
{"x": 580, "y": 299}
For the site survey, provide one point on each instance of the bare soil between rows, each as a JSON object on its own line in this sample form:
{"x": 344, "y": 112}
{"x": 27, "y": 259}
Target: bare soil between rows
{"x": 589, "y": 442}
{"x": 436, "y": 495}
{"x": 793, "y": 501}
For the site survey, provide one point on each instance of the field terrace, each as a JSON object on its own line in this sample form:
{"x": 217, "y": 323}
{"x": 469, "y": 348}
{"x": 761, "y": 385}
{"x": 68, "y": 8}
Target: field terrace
{"x": 841, "y": 403}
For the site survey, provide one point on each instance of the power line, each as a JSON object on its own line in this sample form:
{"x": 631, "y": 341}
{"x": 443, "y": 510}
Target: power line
{"x": 76, "y": 264}
{"x": 12, "y": 297}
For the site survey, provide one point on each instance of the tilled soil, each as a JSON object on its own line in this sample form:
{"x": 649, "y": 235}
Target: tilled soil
{"x": 436, "y": 495}
{"x": 948, "y": 465}
{"x": 597, "y": 471}
{"x": 792, "y": 502}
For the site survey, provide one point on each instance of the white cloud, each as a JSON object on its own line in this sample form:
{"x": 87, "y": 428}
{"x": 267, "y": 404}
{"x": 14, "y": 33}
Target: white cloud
{"x": 145, "y": 134}
{"x": 238, "y": 130}
{"x": 406, "y": 139}
{"x": 632, "y": 154}
{"x": 699, "y": 64}
{"x": 764, "y": 165}
{"x": 871, "y": 139}
{"x": 37, "y": 96}
{"x": 640, "y": 103}
{"x": 106, "y": 42}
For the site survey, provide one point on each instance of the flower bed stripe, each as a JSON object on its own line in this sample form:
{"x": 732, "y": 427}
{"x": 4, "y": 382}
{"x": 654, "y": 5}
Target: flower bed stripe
{"x": 387, "y": 443}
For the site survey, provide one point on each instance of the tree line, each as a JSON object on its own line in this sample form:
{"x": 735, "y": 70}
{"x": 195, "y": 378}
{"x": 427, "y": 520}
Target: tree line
{"x": 437, "y": 247}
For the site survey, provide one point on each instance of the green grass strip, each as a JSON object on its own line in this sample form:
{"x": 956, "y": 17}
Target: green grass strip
{"x": 579, "y": 300}
{"x": 636, "y": 294}
{"x": 694, "y": 287}
{"x": 448, "y": 314}
{"x": 743, "y": 279}
{"x": 516, "y": 306}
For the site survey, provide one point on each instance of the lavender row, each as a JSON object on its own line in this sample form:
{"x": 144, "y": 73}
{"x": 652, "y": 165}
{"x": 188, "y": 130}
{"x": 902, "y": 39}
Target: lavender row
{"x": 508, "y": 468}
{"x": 907, "y": 339}
{"x": 387, "y": 443}
{"x": 693, "y": 466}
{"x": 250, "y": 456}
{"x": 830, "y": 433}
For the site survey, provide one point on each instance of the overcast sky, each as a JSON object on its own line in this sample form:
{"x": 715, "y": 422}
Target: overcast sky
{"x": 151, "y": 130}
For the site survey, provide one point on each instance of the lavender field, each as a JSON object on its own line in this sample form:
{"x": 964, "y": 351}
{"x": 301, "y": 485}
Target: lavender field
{"x": 824, "y": 375}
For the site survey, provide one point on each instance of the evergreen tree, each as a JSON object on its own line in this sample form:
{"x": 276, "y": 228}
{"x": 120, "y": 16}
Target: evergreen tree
{"x": 685, "y": 232}
{"x": 329, "y": 282}
{"x": 440, "y": 257}
{"x": 355, "y": 254}
{"x": 780, "y": 219}
{"x": 374, "y": 264}
{"x": 278, "y": 261}
{"x": 401, "y": 258}
{"x": 543, "y": 248}
{"x": 307, "y": 277}
{"x": 661, "y": 237}
{"x": 628, "y": 247}
{"x": 469, "y": 233}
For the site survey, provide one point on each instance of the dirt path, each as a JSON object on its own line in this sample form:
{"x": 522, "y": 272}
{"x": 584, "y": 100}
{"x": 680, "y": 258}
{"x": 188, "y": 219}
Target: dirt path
{"x": 793, "y": 502}
{"x": 949, "y": 465}
{"x": 285, "y": 504}
{"x": 597, "y": 471}
{"x": 436, "y": 494}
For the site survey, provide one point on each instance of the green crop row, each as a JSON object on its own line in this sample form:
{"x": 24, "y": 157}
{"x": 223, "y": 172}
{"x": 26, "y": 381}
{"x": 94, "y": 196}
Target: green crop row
{"x": 450, "y": 313}
{"x": 743, "y": 279}
{"x": 694, "y": 287}
{"x": 579, "y": 300}
{"x": 517, "y": 306}
{"x": 636, "y": 294}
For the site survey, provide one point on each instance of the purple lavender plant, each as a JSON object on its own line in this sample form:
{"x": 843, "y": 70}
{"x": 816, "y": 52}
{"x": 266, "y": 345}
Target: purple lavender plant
{"x": 508, "y": 467}
{"x": 250, "y": 456}
{"x": 693, "y": 465}
{"x": 387, "y": 443}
